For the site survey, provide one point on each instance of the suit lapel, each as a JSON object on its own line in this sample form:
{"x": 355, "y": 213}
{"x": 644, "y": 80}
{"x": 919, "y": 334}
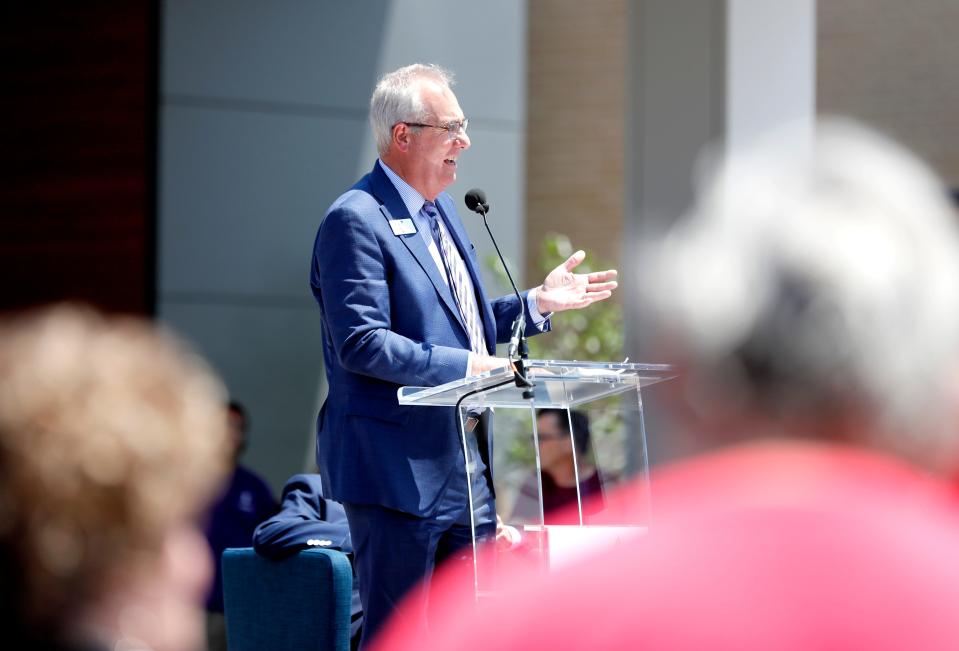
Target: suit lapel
{"x": 392, "y": 207}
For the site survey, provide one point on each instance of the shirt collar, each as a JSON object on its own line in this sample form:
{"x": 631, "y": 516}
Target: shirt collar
{"x": 412, "y": 199}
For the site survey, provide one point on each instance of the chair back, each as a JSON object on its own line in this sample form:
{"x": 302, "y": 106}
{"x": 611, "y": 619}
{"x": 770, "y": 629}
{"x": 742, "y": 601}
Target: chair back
{"x": 299, "y": 603}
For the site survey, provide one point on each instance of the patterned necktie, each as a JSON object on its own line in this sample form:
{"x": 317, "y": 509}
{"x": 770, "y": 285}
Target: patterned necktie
{"x": 458, "y": 277}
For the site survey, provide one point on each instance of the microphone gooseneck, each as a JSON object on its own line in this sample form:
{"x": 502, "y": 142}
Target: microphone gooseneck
{"x": 517, "y": 350}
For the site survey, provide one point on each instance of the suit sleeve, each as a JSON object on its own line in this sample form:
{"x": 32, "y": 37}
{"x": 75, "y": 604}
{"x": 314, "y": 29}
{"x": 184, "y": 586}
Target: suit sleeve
{"x": 352, "y": 277}
{"x": 297, "y": 523}
{"x": 505, "y": 309}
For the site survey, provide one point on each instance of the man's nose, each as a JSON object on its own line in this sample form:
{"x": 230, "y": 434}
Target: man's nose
{"x": 463, "y": 140}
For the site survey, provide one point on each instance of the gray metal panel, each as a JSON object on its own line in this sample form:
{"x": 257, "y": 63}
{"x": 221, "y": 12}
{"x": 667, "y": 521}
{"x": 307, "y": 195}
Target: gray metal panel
{"x": 271, "y": 361}
{"x": 242, "y": 195}
{"x": 330, "y": 53}
{"x": 323, "y": 53}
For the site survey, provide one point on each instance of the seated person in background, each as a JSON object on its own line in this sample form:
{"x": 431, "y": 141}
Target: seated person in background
{"x": 102, "y": 478}
{"x": 559, "y": 471}
{"x": 306, "y": 519}
{"x": 245, "y": 503}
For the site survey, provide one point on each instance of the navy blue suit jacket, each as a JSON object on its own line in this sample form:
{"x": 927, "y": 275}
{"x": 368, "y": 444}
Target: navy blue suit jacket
{"x": 304, "y": 515}
{"x": 390, "y": 320}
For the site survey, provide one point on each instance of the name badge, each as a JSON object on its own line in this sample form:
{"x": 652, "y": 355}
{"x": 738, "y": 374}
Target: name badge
{"x": 402, "y": 226}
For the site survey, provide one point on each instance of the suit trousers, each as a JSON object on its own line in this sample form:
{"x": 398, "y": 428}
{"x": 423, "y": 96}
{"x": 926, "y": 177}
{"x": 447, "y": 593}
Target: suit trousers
{"x": 395, "y": 551}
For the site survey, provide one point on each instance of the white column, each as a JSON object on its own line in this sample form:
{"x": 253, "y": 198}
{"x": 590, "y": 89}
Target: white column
{"x": 701, "y": 72}
{"x": 770, "y": 67}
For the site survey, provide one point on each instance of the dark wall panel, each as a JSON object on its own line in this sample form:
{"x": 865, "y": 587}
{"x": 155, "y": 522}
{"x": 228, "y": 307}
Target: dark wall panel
{"x": 78, "y": 118}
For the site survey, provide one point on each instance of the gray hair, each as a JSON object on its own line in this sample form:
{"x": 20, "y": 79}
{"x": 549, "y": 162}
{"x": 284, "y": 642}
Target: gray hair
{"x": 396, "y": 98}
{"x": 813, "y": 277}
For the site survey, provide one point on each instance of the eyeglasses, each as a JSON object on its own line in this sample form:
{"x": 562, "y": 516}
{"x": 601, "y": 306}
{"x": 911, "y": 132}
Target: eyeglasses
{"x": 452, "y": 129}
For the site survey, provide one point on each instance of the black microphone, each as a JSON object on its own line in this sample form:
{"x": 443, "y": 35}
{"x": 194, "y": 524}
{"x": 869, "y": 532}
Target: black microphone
{"x": 476, "y": 201}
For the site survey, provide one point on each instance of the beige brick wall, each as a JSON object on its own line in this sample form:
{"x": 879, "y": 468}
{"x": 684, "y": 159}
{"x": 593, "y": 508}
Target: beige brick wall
{"x": 895, "y": 65}
{"x": 574, "y": 168}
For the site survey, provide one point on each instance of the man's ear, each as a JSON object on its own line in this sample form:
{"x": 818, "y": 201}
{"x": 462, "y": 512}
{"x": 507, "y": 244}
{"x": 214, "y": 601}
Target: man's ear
{"x": 401, "y": 136}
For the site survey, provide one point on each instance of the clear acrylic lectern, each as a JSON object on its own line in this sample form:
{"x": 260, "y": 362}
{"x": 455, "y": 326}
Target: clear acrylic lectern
{"x": 560, "y": 385}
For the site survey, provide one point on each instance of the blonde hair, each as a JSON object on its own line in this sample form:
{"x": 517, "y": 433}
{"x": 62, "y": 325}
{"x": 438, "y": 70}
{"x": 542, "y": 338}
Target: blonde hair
{"x": 110, "y": 433}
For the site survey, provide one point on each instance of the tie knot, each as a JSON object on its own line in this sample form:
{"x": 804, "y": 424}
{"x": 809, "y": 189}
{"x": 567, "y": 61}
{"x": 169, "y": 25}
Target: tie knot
{"x": 430, "y": 209}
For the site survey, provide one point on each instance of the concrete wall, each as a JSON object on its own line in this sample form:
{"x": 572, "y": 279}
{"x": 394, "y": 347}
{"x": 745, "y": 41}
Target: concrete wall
{"x": 263, "y": 109}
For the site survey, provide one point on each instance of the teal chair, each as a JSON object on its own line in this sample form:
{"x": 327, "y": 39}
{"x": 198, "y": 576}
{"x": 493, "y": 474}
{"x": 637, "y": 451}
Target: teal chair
{"x": 299, "y": 603}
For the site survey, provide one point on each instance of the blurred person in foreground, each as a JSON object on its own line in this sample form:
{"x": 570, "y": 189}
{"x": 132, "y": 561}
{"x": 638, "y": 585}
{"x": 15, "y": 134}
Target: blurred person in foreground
{"x": 244, "y": 503}
{"x": 561, "y": 469}
{"x": 811, "y": 300}
{"x": 112, "y": 440}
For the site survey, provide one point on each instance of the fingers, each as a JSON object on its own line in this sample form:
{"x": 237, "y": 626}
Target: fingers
{"x": 482, "y": 363}
{"x": 602, "y": 276}
{"x": 574, "y": 260}
{"x": 589, "y": 299}
{"x": 601, "y": 287}
{"x": 598, "y": 296}
{"x": 580, "y": 302}
{"x": 595, "y": 297}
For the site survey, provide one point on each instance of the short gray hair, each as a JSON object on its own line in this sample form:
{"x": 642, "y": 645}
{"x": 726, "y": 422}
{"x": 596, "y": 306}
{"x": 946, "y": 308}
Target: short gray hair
{"x": 816, "y": 277}
{"x": 396, "y": 98}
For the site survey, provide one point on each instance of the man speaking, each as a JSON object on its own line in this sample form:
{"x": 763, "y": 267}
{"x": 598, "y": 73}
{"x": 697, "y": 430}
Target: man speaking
{"x": 398, "y": 285}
